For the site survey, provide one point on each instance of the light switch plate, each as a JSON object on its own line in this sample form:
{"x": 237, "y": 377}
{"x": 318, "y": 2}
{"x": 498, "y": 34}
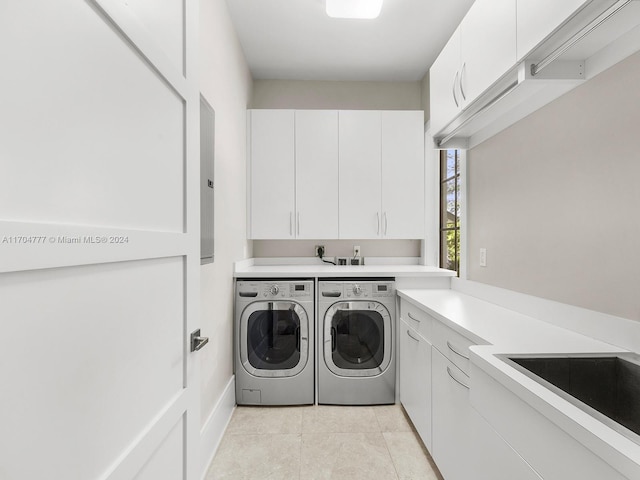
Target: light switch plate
{"x": 483, "y": 257}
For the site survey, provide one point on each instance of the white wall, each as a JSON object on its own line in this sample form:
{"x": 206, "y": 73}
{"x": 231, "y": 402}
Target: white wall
{"x": 226, "y": 84}
{"x": 554, "y": 199}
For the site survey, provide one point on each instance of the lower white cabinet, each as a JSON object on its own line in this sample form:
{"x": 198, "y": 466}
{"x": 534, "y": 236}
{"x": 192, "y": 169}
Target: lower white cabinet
{"x": 491, "y": 458}
{"x": 551, "y": 451}
{"x": 451, "y": 413}
{"x": 415, "y": 379}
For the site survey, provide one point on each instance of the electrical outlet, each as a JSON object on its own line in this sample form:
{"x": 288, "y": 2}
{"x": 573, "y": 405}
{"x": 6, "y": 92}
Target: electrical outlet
{"x": 483, "y": 257}
{"x": 356, "y": 250}
{"x": 319, "y": 251}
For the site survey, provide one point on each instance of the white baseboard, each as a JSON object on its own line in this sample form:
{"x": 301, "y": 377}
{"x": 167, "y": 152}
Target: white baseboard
{"x": 617, "y": 331}
{"x": 215, "y": 426}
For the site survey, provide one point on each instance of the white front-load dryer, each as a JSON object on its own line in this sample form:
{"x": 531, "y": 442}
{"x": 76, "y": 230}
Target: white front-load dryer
{"x": 274, "y": 342}
{"x": 356, "y": 354}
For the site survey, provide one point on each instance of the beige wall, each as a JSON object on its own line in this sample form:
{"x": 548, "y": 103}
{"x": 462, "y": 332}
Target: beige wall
{"x": 336, "y": 248}
{"x": 425, "y": 96}
{"x": 554, "y": 199}
{"x": 336, "y": 95}
{"x": 298, "y": 94}
{"x": 226, "y": 84}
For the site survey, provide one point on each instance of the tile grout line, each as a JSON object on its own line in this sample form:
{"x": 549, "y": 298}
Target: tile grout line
{"x": 301, "y": 440}
{"x": 395, "y": 468}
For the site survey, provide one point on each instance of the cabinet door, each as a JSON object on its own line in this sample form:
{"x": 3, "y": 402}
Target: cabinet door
{"x": 537, "y": 19}
{"x": 443, "y": 80}
{"x": 491, "y": 457}
{"x": 403, "y": 174}
{"x": 450, "y": 414}
{"x": 360, "y": 174}
{"x": 415, "y": 380}
{"x": 316, "y": 173}
{"x": 488, "y": 46}
{"x": 272, "y": 174}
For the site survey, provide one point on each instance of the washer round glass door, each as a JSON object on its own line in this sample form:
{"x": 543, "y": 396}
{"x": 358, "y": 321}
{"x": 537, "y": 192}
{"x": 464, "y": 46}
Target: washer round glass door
{"x": 274, "y": 338}
{"x": 357, "y": 338}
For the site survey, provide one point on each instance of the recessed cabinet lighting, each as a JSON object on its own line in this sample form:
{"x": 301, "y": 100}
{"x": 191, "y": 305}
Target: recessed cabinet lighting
{"x": 367, "y": 9}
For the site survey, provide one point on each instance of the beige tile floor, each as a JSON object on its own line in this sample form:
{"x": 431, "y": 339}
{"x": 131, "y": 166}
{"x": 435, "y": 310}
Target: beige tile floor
{"x": 321, "y": 443}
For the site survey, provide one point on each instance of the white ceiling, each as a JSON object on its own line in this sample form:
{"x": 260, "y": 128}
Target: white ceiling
{"x": 295, "y": 39}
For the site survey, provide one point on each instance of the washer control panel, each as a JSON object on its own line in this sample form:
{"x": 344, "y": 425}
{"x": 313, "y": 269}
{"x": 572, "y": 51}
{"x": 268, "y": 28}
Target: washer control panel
{"x": 274, "y": 289}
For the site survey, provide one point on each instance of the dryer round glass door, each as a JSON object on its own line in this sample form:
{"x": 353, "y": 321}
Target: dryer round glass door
{"x": 357, "y": 338}
{"x": 274, "y": 339}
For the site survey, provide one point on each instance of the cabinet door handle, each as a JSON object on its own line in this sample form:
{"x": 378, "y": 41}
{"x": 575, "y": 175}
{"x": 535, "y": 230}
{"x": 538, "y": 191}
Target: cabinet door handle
{"x": 378, "y": 223}
{"x": 291, "y": 224}
{"x": 464, "y": 66}
{"x": 453, "y": 89}
{"x": 412, "y": 317}
{"x": 456, "y": 380}
{"x": 298, "y": 224}
{"x": 411, "y": 336}
{"x": 457, "y": 352}
{"x": 386, "y": 223}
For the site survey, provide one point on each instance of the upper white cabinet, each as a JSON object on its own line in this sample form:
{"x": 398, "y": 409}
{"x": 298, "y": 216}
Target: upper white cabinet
{"x": 537, "y": 19}
{"x": 328, "y": 174}
{"x": 316, "y": 138}
{"x": 360, "y": 174}
{"x": 444, "y": 77}
{"x": 488, "y": 46}
{"x": 272, "y": 174}
{"x": 481, "y": 50}
{"x": 402, "y": 175}
{"x": 381, "y": 174}
{"x": 293, "y": 174}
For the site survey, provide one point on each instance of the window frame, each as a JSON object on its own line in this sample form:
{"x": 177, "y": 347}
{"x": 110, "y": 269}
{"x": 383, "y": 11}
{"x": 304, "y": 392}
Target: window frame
{"x": 443, "y": 180}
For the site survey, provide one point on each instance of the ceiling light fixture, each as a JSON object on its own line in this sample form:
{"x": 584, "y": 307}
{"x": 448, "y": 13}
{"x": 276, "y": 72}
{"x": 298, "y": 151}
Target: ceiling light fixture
{"x": 367, "y": 9}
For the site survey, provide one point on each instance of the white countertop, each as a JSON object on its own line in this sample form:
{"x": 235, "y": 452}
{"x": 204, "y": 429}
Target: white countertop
{"x": 498, "y": 331}
{"x": 324, "y": 270}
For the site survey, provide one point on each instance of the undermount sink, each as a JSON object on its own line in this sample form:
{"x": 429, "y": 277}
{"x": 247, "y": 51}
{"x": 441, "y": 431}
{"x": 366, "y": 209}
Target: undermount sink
{"x": 605, "y": 386}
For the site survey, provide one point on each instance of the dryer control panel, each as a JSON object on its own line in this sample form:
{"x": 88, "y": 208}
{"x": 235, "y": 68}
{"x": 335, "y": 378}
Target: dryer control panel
{"x": 369, "y": 289}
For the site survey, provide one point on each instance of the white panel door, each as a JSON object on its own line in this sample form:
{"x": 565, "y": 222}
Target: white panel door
{"x": 360, "y": 174}
{"x": 402, "y": 174}
{"x": 537, "y": 19}
{"x": 99, "y": 241}
{"x": 317, "y": 186}
{"x": 272, "y": 174}
{"x": 444, "y": 76}
{"x": 488, "y": 46}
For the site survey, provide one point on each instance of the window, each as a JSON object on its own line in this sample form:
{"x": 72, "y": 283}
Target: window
{"x": 450, "y": 209}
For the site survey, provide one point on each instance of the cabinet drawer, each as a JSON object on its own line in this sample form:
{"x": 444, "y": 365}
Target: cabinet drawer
{"x": 417, "y": 319}
{"x": 452, "y": 345}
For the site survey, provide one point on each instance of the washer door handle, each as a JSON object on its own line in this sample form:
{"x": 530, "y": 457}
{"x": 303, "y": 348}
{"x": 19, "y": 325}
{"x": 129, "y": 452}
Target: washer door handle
{"x": 298, "y": 338}
{"x": 333, "y": 339}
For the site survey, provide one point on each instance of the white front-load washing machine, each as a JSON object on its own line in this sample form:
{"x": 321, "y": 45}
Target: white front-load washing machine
{"x": 356, "y": 354}
{"x": 274, "y": 338}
